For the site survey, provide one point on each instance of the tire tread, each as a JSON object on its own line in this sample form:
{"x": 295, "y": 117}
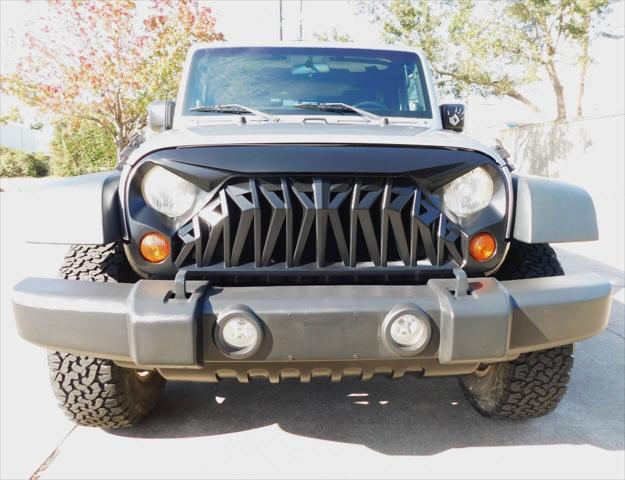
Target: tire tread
{"x": 92, "y": 391}
{"x": 534, "y": 383}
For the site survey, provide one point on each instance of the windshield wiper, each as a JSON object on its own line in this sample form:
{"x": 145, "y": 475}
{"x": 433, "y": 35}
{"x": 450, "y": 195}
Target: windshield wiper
{"x": 234, "y": 108}
{"x": 343, "y": 108}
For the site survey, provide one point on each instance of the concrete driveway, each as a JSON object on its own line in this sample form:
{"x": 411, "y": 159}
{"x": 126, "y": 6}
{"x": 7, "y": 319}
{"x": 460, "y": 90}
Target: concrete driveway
{"x": 382, "y": 428}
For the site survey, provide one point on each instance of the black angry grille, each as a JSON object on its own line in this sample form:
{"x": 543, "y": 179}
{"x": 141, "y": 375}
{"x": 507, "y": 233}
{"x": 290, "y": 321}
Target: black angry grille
{"x": 319, "y": 223}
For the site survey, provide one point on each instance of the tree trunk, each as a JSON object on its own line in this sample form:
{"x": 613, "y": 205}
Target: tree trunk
{"x": 583, "y": 67}
{"x": 120, "y": 143}
{"x": 550, "y": 64}
{"x": 582, "y": 84}
{"x": 121, "y": 140}
{"x": 558, "y": 89}
{"x": 523, "y": 99}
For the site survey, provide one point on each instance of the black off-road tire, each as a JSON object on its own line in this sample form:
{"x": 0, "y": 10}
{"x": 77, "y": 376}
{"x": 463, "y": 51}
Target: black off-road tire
{"x": 97, "y": 263}
{"x": 533, "y": 384}
{"x": 525, "y": 260}
{"x": 528, "y": 387}
{"x": 92, "y": 391}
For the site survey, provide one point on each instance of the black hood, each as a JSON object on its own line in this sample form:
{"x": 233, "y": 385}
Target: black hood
{"x": 437, "y": 164}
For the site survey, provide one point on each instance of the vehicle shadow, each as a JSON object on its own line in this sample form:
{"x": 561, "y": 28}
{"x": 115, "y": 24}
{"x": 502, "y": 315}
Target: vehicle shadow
{"x": 407, "y": 416}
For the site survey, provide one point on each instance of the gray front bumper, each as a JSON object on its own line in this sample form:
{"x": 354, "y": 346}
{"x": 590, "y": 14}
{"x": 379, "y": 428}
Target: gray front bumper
{"x": 146, "y": 325}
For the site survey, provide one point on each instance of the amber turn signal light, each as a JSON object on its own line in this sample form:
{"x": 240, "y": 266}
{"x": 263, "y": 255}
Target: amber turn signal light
{"x": 482, "y": 247}
{"x": 154, "y": 247}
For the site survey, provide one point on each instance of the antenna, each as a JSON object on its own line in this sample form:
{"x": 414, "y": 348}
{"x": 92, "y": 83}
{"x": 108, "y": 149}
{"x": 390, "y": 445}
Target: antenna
{"x": 301, "y": 18}
{"x": 281, "y": 18}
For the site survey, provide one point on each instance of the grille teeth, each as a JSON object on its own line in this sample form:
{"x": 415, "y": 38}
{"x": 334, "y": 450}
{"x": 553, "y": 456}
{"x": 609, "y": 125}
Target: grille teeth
{"x": 317, "y": 221}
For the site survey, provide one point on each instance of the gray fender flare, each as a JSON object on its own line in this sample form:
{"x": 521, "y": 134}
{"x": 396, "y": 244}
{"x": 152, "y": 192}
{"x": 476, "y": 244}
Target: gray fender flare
{"x": 550, "y": 211}
{"x": 77, "y": 210}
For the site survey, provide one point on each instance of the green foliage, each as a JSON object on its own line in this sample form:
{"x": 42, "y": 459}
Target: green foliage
{"x": 18, "y": 163}
{"x": 466, "y": 44}
{"x": 105, "y": 60}
{"x": 334, "y": 36}
{"x": 79, "y": 148}
{"x": 490, "y": 47}
{"x": 13, "y": 115}
{"x": 543, "y": 26}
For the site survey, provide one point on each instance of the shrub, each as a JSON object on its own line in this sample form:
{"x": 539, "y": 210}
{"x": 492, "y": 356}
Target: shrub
{"x": 41, "y": 164}
{"x": 79, "y": 148}
{"x": 18, "y": 163}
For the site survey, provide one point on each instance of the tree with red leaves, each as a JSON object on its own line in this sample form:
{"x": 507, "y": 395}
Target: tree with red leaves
{"x": 104, "y": 60}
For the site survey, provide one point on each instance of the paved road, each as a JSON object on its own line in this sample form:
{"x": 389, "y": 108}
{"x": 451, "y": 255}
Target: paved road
{"x": 382, "y": 428}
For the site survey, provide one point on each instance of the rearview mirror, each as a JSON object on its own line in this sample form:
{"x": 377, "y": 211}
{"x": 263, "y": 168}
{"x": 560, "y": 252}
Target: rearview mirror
{"x": 310, "y": 68}
{"x": 161, "y": 115}
{"x": 452, "y": 116}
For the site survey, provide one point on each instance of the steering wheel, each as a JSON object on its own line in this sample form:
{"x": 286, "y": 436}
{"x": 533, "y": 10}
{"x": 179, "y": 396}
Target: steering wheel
{"x": 367, "y": 104}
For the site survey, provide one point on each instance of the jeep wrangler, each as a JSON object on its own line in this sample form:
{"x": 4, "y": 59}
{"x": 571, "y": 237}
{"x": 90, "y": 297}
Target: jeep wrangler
{"x": 306, "y": 211}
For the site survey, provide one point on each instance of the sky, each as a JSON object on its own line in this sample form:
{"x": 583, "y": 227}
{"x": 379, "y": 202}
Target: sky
{"x": 262, "y": 19}
{"x": 259, "y": 21}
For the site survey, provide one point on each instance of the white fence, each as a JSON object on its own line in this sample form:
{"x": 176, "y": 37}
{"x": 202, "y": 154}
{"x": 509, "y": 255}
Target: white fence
{"x": 590, "y": 153}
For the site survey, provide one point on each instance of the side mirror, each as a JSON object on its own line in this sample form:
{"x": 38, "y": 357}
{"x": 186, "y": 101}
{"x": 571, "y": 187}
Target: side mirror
{"x": 452, "y": 116}
{"x": 161, "y": 115}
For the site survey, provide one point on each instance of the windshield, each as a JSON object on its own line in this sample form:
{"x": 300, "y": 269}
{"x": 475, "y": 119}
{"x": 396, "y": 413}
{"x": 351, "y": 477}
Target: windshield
{"x": 277, "y": 79}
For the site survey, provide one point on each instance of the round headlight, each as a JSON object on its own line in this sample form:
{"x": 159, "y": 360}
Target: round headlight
{"x": 469, "y": 193}
{"x": 168, "y": 193}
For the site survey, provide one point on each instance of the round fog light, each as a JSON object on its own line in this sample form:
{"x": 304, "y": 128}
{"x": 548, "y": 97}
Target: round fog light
{"x": 238, "y": 333}
{"x": 406, "y": 330}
